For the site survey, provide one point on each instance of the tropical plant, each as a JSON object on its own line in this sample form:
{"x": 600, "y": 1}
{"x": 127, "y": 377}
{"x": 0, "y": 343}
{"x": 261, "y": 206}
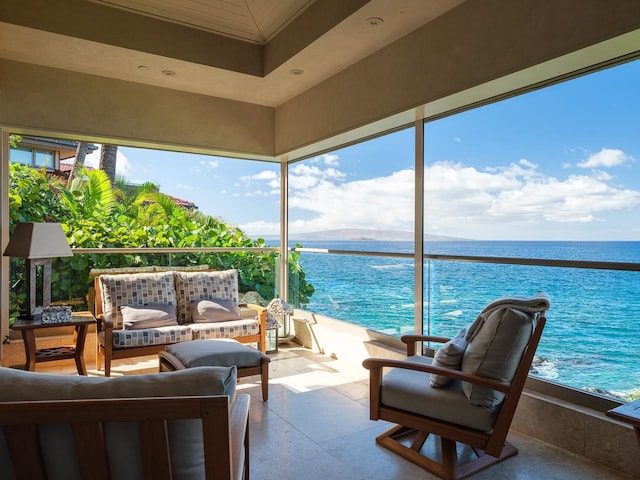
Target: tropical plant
{"x": 96, "y": 214}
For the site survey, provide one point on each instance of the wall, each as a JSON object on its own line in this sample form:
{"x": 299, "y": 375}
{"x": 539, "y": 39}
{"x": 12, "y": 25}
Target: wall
{"x": 77, "y": 105}
{"x": 472, "y": 44}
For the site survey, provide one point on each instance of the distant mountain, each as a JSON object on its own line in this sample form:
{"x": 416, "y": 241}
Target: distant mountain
{"x": 367, "y": 234}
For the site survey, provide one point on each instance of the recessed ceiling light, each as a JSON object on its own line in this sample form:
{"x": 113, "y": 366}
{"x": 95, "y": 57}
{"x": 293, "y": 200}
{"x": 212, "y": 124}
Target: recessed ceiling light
{"x": 168, "y": 73}
{"x": 374, "y": 21}
{"x": 296, "y": 71}
{"x": 143, "y": 68}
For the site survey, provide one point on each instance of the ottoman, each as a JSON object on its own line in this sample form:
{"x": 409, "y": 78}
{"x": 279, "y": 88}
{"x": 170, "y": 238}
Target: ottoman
{"x": 218, "y": 353}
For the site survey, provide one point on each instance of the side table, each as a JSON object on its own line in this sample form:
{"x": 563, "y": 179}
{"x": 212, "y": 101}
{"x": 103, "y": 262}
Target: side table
{"x": 628, "y": 413}
{"x": 27, "y": 327}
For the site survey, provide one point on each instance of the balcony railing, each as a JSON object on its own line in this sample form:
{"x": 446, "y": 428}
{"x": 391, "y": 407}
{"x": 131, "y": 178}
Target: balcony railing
{"x": 591, "y": 339}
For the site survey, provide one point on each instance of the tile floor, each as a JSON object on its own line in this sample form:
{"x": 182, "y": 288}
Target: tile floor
{"x": 315, "y": 426}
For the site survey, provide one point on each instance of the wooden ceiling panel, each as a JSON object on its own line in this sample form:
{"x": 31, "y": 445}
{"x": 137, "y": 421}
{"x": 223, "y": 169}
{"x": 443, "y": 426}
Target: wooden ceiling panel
{"x": 254, "y": 21}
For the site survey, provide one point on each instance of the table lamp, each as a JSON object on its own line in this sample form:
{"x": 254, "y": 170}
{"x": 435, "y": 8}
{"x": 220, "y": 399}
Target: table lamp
{"x": 37, "y": 243}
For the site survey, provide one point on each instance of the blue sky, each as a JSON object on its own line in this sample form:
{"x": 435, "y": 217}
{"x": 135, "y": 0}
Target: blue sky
{"x": 559, "y": 163}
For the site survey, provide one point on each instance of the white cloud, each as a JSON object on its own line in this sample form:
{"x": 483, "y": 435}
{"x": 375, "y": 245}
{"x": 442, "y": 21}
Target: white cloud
{"x": 182, "y": 186}
{"x": 264, "y": 175}
{"x": 516, "y": 201}
{"x": 329, "y": 159}
{"x": 607, "y": 157}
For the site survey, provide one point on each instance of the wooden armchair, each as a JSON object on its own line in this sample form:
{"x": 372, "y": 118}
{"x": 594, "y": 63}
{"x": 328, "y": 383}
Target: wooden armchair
{"x": 182, "y": 425}
{"x": 405, "y": 397}
{"x": 224, "y": 431}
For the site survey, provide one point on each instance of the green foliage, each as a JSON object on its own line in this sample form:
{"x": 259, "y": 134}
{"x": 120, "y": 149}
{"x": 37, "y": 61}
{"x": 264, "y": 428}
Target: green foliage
{"x": 95, "y": 215}
{"x": 14, "y": 140}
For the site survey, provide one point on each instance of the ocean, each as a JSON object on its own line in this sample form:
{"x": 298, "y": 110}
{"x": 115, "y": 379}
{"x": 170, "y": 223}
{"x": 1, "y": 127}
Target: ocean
{"x": 592, "y": 336}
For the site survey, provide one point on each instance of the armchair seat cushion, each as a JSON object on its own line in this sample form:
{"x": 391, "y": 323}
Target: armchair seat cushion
{"x": 409, "y": 390}
{"x": 230, "y": 329}
{"x": 149, "y": 336}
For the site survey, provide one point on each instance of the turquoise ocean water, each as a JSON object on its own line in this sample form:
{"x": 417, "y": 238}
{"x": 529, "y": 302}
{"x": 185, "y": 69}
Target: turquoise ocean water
{"x": 592, "y": 338}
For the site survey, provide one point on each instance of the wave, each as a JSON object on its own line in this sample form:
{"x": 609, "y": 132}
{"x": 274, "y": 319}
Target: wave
{"x": 453, "y": 313}
{"x": 395, "y": 266}
{"x": 544, "y": 368}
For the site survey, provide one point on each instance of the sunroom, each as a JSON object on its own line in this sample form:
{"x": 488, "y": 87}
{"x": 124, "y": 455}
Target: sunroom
{"x": 385, "y": 83}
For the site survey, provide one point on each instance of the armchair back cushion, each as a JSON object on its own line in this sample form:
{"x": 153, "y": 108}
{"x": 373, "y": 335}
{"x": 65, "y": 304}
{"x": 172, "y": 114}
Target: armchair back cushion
{"x": 495, "y": 352}
{"x": 135, "y": 289}
{"x": 185, "y": 436}
{"x": 193, "y": 286}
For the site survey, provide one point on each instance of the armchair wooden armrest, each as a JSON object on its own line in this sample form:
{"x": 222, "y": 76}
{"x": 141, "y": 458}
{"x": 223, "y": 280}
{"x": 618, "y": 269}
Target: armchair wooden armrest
{"x": 375, "y": 366}
{"x": 411, "y": 340}
{"x": 225, "y": 433}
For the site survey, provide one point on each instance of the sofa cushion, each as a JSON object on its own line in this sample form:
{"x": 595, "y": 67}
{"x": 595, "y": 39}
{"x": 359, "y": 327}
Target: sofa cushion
{"x": 149, "y": 336}
{"x": 185, "y": 436}
{"x": 135, "y": 289}
{"x": 215, "y": 310}
{"x": 148, "y": 316}
{"x": 231, "y": 329}
{"x": 495, "y": 352}
{"x": 449, "y": 356}
{"x": 192, "y": 286}
{"x": 200, "y": 353}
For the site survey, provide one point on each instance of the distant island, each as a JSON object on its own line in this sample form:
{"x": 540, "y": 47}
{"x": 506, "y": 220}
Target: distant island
{"x": 364, "y": 234}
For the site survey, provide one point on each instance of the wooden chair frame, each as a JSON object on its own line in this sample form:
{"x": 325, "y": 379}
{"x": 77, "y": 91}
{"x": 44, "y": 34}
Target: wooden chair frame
{"x": 490, "y": 447}
{"x": 225, "y": 432}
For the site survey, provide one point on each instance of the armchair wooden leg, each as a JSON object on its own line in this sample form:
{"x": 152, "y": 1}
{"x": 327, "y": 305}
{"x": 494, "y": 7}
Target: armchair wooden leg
{"x": 450, "y": 467}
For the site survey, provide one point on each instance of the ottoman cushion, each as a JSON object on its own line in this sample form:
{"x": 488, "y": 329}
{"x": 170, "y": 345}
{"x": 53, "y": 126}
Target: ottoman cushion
{"x": 223, "y": 352}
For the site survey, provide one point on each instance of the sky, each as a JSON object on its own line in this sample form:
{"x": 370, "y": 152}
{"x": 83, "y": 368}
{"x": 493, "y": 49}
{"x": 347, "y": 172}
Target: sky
{"x": 560, "y": 163}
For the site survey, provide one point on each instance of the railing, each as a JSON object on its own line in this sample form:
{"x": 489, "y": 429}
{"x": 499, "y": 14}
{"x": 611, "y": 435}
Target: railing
{"x": 584, "y": 318}
{"x": 592, "y": 337}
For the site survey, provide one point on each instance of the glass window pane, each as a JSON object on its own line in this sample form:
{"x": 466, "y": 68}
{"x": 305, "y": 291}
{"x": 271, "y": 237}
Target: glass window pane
{"x": 550, "y": 174}
{"x": 21, "y": 155}
{"x": 358, "y": 198}
{"x": 44, "y": 159}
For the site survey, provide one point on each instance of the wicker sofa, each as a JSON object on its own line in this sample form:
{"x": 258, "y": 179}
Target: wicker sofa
{"x": 141, "y": 311}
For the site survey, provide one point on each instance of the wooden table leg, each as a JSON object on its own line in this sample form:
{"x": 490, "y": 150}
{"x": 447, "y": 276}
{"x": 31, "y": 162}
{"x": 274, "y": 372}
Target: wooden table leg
{"x": 81, "y": 335}
{"x": 29, "y": 340}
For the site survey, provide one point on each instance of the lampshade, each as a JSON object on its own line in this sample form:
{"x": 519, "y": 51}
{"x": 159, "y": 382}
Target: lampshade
{"x": 38, "y": 240}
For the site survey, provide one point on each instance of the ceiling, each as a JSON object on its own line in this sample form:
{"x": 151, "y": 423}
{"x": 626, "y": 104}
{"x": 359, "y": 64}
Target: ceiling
{"x": 255, "y": 21}
{"x": 263, "y": 52}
